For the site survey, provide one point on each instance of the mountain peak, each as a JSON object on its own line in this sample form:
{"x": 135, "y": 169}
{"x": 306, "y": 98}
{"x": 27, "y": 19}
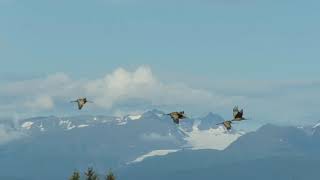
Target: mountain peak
{"x": 209, "y": 121}
{"x": 275, "y": 128}
{"x": 212, "y": 115}
{"x": 153, "y": 114}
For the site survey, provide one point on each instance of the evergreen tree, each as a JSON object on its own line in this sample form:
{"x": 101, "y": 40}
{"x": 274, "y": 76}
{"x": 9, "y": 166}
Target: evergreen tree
{"x": 75, "y": 176}
{"x": 110, "y": 176}
{"x": 91, "y": 175}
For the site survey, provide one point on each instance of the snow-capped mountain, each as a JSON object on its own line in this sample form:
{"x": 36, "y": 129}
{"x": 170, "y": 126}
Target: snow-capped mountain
{"x": 209, "y": 121}
{"x": 311, "y": 129}
{"x": 68, "y": 143}
{"x": 271, "y": 152}
{"x": 53, "y": 123}
{"x": 105, "y": 141}
{"x": 201, "y": 133}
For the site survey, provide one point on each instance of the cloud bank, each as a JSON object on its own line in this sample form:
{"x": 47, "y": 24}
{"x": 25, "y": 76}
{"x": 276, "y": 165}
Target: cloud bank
{"x": 7, "y": 134}
{"x": 123, "y": 91}
{"x": 111, "y": 92}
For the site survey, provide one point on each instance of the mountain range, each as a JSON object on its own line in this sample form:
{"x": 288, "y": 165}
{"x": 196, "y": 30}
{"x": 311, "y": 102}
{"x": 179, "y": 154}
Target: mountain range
{"x": 68, "y": 143}
{"x": 150, "y": 146}
{"x": 272, "y": 152}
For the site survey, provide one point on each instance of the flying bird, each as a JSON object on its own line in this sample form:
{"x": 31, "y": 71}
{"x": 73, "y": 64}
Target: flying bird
{"x": 238, "y": 115}
{"x": 81, "y": 102}
{"x": 177, "y": 116}
{"x": 226, "y": 124}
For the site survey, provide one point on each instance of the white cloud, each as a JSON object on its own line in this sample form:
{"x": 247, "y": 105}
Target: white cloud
{"x": 8, "y": 134}
{"x": 121, "y": 84}
{"x": 118, "y": 87}
{"x": 35, "y": 95}
{"x": 52, "y": 84}
{"x": 142, "y": 84}
{"x": 123, "y": 91}
{"x": 40, "y": 103}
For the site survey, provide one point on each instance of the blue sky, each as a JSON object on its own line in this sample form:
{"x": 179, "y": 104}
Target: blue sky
{"x": 204, "y": 45}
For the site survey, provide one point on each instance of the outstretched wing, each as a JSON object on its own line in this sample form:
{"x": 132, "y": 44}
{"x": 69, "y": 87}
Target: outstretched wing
{"x": 175, "y": 117}
{"x": 222, "y": 123}
{"x": 227, "y": 125}
{"x": 235, "y": 111}
{"x": 239, "y": 115}
{"x": 182, "y": 116}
